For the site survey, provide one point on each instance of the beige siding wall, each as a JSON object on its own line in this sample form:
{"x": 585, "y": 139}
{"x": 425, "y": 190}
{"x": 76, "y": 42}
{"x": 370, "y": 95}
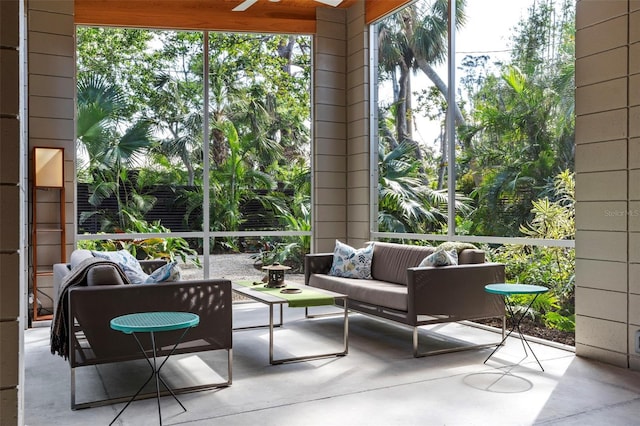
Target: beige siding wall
{"x": 607, "y": 184}
{"x": 51, "y": 82}
{"x": 10, "y": 213}
{"x": 330, "y": 130}
{"x": 341, "y": 128}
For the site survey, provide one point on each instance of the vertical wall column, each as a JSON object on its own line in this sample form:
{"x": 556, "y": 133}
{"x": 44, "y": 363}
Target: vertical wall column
{"x": 51, "y": 50}
{"x": 11, "y": 240}
{"x": 634, "y": 183}
{"x": 329, "y": 129}
{"x": 607, "y": 180}
{"x": 358, "y": 140}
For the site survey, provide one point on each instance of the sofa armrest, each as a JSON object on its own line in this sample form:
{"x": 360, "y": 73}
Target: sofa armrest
{"x": 148, "y": 266}
{"x": 455, "y": 291}
{"x": 92, "y": 308}
{"x": 317, "y": 263}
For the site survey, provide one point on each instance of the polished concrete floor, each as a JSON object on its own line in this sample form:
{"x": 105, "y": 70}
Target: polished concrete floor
{"x": 377, "y": 383}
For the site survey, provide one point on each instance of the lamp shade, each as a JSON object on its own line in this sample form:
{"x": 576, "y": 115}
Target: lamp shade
{"x": 48, "y": 167}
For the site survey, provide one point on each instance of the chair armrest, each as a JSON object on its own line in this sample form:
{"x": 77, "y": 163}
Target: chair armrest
{"x": 317, "y": 263}
{"x": 455, "y": 291}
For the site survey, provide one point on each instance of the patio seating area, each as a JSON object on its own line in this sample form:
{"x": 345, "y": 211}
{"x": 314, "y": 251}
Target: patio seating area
{"x": 379, "y": 382}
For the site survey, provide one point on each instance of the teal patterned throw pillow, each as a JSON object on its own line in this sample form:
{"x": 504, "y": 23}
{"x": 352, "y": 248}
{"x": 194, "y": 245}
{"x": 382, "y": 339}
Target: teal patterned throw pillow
{"x": 127, "y": 262}
{"x": 351, "y": 263}
{"x": 165, "y": 273}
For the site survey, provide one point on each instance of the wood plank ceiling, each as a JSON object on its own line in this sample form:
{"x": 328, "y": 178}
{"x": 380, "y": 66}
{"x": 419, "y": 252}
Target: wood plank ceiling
{"x": 265, "y": 16}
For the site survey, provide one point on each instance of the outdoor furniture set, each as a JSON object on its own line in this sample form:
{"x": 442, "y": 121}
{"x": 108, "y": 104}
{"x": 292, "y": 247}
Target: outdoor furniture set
{"x": 89, "y": 294}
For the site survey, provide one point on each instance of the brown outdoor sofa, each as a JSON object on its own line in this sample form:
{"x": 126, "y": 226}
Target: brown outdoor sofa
{"x": 416, "y": 296}
{"x": 91, "y": 308}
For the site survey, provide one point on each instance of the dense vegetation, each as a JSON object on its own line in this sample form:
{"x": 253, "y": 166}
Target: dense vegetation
{"x": 140, "y": 126}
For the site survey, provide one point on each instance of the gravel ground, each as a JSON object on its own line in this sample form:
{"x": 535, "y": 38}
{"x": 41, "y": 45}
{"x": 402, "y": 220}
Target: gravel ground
{"x": 237, "y": 266}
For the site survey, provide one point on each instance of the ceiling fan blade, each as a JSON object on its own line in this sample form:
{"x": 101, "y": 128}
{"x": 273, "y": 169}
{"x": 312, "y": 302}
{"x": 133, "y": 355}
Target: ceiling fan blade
{"x": 246, "y": 4}
{"x": 334, "y": 3}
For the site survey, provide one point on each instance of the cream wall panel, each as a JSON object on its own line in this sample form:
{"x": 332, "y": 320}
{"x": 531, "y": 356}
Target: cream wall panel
{"x": 634, "y": 153}
{"x": 601, "y": 186}
{"x": 603, "y": 355}
{"x": 359, "y": 196}
{"x": 9, "y": 147}
{"x": 356, "y": 232}
{"x": 601, "y": 245}
{"x": 9, "y": 70}
{"x": 331, "y": 230}
{"x": 10, "y": 291}
{"x": 58, "y": 6}
{"x": 332, "y": 30}
{"x": 634, "y": 184}
{"x": 359, "y": 161}
{"x": 601, "y": 333}
{"x": 603, "y": 304}
{"x": 358, "y": 179}
{"x": 634, "y": 58}
{"x": 330, "y": 179}
{"x": 358, "y": 131}
{"x": 601, "y": 126}
{"x": 634, "y": 122}
{"x": 603, "y": 66}
{"x": 601, "y": 216}
{"x": 334, "y": 79}
{"x": 8, "y": 355}
{"x": 359, "y": 111}
{"x": 51, "y": 128}
{"x": 357, "y": 94}
{"x": 608, "y": 95}
{"x": 9, "y": 398}
{"x": 634, "y": 90}
{"x": 51, "y": 44}
{"x": 54, "y": 86}
{"x": 602, "y": 274}
{"x": 331, "y": 196}
{"x": 328, "y": 62}
{"x": 326, "y": 163}
{"x": 324, "y": 245}
{"x": 9, "y": 218}
{"x": 329, "y": 96}
{"x": 603, "y": 156}
{"x": 356, "y": 212}
{"x": 332, "y": 213}
{"x": 634, "y": 27}
{"x": 55, "y": 23}
{"x": 9, "y": 30}
{"x": 327, "y": 15}
{"x": 634, "y": 310}
{"x": 633, "y": 216}
{"x": 330, "y": 146}
{"x": 53, "y": 65}
{"x": 329, "y": 130}
{"x": 634, "y": 278}
{"x": 335, "y": 113}
{"x": 324, "y": 44}
{"x": 634, "y": 247}
{"x": 604, "y": 36}
{"x": 51, "y": 107}
{"x": 589, "y": 12}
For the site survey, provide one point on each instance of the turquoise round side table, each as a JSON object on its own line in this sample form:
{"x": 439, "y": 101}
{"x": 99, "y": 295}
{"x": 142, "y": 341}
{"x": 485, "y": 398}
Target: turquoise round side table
{"x": 507, "y": 290}
{"x": 152, "y": 322}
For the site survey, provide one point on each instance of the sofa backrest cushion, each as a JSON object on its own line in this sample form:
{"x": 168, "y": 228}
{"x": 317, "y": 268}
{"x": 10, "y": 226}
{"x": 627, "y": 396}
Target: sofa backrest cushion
{"x": 470, "y": 256}
{"x": 103, "y": 275}
{"x": 390, "y": 261}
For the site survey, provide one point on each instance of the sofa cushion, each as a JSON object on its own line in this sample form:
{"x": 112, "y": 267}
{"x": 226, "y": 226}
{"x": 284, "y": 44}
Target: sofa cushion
{"x": 391, "y": 261}
{"x": 349, "y": 262}
{"x": 466, "y": 257}
{"x": 103, "y": 275}
{"x": 127, "y": 262}
{"x": 376, "y": 292}
{"x": 440, "y": 258}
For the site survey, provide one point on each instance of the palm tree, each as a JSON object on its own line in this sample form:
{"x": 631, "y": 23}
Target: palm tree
{"x": 109, "y": 150}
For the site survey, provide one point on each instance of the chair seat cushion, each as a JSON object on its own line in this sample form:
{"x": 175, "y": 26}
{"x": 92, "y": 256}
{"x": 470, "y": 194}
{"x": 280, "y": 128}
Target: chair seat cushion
{"x": 375, "y": 292}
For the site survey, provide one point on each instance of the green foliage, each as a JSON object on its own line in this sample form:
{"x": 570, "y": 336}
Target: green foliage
{"x": 553, "y": 267}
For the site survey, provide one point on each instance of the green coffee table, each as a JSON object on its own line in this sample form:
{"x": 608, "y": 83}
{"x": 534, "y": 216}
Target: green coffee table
{"x": 507, "y": 290}
{"x": 153, "y": 322}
